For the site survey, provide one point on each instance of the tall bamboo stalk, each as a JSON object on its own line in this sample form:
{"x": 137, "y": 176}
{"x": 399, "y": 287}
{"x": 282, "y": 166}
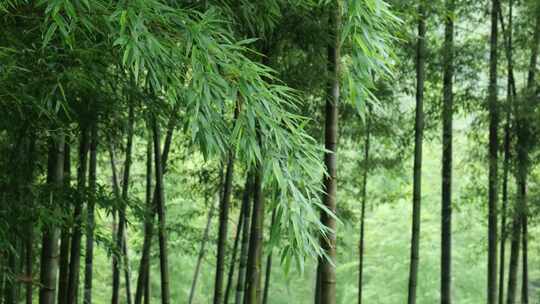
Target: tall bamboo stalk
{"x": 363, "y": 210}
{"x": 240, "y": 283}
{"x": 75, "y": 254}
{"x": 327, "y": 266}
{"x": 65, "y": 237}
{"x": 49, "y": 244}
{"x": 232, "y": 266}
{"x": 253, "y": 268}
{"x": 90, "y": 221}
{"x": 202, "y": 251}
{"x": 160, "y": 207}
{"x": 447, "y": 114}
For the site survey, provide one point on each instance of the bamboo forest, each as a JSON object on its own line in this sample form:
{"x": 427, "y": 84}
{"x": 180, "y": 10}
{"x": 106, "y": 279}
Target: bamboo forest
{"x": 269, "y": 151}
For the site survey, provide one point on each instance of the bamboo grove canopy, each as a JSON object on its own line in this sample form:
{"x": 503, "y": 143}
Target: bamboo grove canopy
{"x": 62, "y": 58}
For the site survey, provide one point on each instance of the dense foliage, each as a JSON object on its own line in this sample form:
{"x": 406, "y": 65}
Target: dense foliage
{"x": 269, "y": 151}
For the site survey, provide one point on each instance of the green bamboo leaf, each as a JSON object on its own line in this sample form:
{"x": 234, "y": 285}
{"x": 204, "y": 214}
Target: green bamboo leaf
{"x": 50, "y": 32}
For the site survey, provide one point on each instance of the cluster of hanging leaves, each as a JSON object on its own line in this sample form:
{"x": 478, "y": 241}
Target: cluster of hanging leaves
{"x": 369, "y": 29}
